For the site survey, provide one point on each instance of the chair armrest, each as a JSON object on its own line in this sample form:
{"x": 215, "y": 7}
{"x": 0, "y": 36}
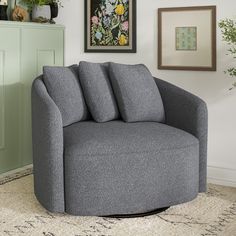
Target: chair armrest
{"x": 47, "y": 135}
{"x": 188, "y": 112}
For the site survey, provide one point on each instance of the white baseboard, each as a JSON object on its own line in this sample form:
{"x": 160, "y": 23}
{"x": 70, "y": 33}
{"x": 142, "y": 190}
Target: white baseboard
{"x": 221, "y": 176}
{"x": 15, "y": 174}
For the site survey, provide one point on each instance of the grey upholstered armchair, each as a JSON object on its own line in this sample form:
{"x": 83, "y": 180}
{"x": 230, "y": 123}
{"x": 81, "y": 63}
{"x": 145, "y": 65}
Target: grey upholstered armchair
{"x": 116, "y": 167}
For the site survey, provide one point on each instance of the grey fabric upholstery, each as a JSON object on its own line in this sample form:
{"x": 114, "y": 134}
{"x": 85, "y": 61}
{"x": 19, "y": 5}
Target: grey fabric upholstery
{"x": 137, "y": 96}
{"x": 91, "y": 138}
{"x": 63, "y": 86}
{"x": 47, "y": 134}
{"x": 128, "y": 167}
{"x": 185, "y": 111}
{"x": 94, "y": 79}
{"x": 90, "y": 168}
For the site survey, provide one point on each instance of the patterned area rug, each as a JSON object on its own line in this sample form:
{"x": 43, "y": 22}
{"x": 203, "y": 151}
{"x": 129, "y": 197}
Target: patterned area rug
{"x": 211, "y": 214}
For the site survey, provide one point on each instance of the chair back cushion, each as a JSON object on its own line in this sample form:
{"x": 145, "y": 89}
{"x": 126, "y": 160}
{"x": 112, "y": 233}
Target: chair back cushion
{"x": 136, "y": 92}
{"x": 94, "y": 79}
{"x": 63, "y": 86}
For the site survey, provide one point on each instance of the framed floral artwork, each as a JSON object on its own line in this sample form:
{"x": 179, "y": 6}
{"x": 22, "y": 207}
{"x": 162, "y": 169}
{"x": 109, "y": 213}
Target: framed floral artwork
{"x": 187, "y": 38}
{"x": 110, "y": 26}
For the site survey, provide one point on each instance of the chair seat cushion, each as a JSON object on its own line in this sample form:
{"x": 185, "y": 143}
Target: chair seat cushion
{"x": 91, "y": 138}
{"x": 125, "y": 168}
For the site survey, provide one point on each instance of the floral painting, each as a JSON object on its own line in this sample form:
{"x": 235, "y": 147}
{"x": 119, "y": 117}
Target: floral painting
{"x": 111, "y": 24}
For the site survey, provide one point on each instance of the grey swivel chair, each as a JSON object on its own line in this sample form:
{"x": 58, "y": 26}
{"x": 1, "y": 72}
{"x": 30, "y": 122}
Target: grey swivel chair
{"x": 119, "y": 168}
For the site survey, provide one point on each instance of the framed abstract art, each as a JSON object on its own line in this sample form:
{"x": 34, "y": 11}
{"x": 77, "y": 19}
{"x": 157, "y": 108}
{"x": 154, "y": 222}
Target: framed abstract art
{"x": 110, "y": 26}
{"x": 187, "y": 38}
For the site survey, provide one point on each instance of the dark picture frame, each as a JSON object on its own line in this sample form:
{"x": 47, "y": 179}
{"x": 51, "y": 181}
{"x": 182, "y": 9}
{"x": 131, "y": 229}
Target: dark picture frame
{"x": 110, "y": 30}
{"x": 201, "y": 59}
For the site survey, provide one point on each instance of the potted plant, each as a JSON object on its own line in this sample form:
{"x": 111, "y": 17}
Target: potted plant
{"x": 228, "y": 30}
{"x": 54, "y": 5}
{"x": 42, "y": 10}
{"x": 54, "y": 8}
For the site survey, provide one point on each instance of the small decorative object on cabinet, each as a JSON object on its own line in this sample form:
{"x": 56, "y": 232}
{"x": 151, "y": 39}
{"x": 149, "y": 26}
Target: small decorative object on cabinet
{"x": 54, "y": 10}
{"x": 43, "y": 11}
{"x": 24, "y": 49}
{"x": 3, "y": 9}
{"x": 110, "y": 26}
{"x": 19, "y": 13}
{"x": 187, "y": 38}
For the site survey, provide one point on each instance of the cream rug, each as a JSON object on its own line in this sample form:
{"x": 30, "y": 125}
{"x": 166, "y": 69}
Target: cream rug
{"x": 211, "y": 214}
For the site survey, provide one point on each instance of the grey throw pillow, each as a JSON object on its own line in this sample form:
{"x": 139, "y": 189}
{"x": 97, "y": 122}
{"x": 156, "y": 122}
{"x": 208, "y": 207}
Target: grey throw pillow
{"x": 63, "y": 86}
{"x": 136, "y": 92}
{"x": 98, "y": 91}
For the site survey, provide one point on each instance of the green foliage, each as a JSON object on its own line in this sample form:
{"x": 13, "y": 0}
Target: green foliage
{"x": 228, "y": 30}
{"x": 35, "y": 2}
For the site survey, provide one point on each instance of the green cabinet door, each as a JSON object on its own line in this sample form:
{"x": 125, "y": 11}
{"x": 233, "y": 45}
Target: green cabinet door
{"x": 9, "y": 98}
{"x": 24, "y": 49}
{"x": 41, "y": 46}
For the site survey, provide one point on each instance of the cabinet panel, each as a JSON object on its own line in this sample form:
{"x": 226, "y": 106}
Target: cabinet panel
{"x": 45, "y": 57}
{"x": 2, "y": 103}
{"x": 9, "y": 98}
{"x": 24, "y": 49}
{"x": 39, "y": 47}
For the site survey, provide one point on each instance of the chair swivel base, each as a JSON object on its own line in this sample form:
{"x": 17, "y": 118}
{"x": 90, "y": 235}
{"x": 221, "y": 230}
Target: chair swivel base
{"x": 153, "y": 212}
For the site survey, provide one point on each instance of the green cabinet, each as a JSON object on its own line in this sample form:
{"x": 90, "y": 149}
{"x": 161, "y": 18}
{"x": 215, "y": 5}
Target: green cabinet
{"x": 24, "y": 49}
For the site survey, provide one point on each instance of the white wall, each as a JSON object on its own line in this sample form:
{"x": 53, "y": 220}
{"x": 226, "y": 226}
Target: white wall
{"x": 211, "y": 86}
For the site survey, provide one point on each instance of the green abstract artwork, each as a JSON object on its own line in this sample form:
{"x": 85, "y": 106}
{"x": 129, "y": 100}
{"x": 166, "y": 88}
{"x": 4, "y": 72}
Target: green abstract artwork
{"x": 186, "y": 38}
